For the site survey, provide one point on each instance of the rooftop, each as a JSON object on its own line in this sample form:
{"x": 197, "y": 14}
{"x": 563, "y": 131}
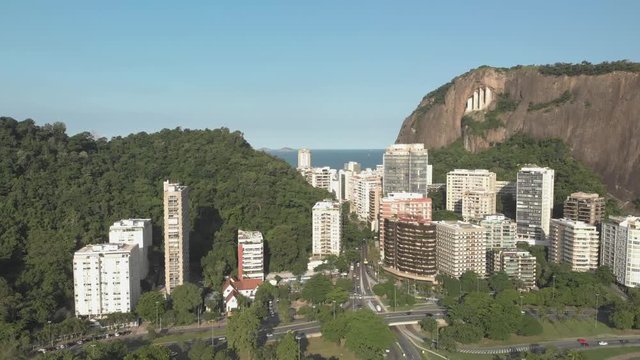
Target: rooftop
{"x": 326, "y": 204}
{"x": 582, "y": 195}
{"x": 106, "y": 248}
{"x": 125, "y": 223}
{"x": 174, "y": 187}
{"x": 249, "y": 236}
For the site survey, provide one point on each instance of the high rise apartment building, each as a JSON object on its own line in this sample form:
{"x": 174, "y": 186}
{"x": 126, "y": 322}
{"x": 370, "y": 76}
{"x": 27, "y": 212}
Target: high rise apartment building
{"x": 410, "y": 248}
{"x": 134, "y": 232}
{"x": 320, "y": 178}
{"x": 461, "y": 181}
{"x": 620, "y": 249}
{"x": 106, "y": 279}
{"x": 406, "y": 169}
{"x": 405, "y": 205}
{"x": 176, "y": 235}
{"x": 500, "y": 231}
{"x": 304, "y": 159}
{"x": 250, "y": 255}
{"x": 574, "y": 242}
{"x": 476, "y": 204}
{"x": 460, "y": 247}
{"x": 534, "y": 203}
{"x": 327, "y": 228}
{"x": 585, "y": 207}
{"x": 517, "y": 264}
{"x": 363, "y": 183}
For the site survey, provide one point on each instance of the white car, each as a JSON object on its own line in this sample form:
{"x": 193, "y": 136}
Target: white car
{"x": 603, "y": 343}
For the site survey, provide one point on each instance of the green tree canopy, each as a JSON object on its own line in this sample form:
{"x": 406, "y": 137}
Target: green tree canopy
{"x": 151, "y": 305}
{"x": 317, "y": 288}
{"x": 242, "y": 330}
{"x": 287, "y": 348}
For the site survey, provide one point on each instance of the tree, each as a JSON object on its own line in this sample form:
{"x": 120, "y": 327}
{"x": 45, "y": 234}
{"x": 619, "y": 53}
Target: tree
{"x": 150, "y": 352}
{"x": 201, "y": 350}
{"x": 500, "y": 281}
{"x": 242, "y": 330}
{"x": 315, "y": 289}
{"x": 335, "y": 329}
{"x": 287, "y": 348}
{"x": 106, "y": 350}
{"x": 186, "y": 298}
{"x": 265, "y": 293}
{"x": 284, "y": 311}
{"x": 605, "y": 275}
{"x": 151, "y": 305}
{"x": 337, "y": 295}
{"x": 345, "y": 284}
{"x": 429, "y": 324}
{"x": 622, "y": 318}
{"x": 367, "y": 335}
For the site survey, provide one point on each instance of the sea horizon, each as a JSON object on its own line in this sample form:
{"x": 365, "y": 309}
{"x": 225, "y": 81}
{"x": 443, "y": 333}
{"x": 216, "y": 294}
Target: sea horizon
{"x": 333, "y": 158}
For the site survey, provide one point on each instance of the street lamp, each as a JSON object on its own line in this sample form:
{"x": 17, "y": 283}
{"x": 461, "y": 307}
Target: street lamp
{"x": 157, "y": 302}
{"x": 595, "y": 321}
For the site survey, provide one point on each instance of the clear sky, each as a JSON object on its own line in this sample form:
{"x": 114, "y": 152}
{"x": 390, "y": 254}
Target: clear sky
{"x": 321, "y": 74}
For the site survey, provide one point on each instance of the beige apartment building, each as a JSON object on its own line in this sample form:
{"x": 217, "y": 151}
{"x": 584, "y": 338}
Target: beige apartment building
{"x": 176, "y": 235}
{"x": 517, "y": 264}
{"x": 460, "y": 247}
{"x": 588, "y": 208}
{"x": 477, "y": 204}
{"x": 461, "y": 181}
{"x": 574, "y": 242}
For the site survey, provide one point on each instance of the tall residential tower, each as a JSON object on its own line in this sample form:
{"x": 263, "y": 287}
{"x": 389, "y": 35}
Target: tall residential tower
{"x": 406, "y": 169}
{"x": 327, "y": 228}
{"x": 176, "y": 235}
{"x": 534, "y": 203}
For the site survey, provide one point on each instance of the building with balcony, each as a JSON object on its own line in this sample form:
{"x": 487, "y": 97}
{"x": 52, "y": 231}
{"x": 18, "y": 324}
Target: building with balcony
{"x": 176, "y": 235}
{"x": 574, "y": 242}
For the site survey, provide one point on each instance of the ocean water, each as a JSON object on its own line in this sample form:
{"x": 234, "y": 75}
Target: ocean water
{"x": 335, "y": 159}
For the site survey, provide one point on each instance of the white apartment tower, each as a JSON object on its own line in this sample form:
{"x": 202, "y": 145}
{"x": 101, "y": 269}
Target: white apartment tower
{"x": 304, "y": 159}
{"x": 327, "y": 228}
{"x": 176, "y": 235}
{"x": 500, "y": 231}
{"x": 134, "y": 232}
{"x": 406, "y": 169}
{"x": 364, "y": 183}
{"x": 574, "y": 242}
{"x": 460, "y": 247}
{"x": 461, "y": 181}
{"x": 534, "y": 203}
{"x": 621, "y": 249}
{"x": 250, "y": 255}
{"x": 106, "y": 279}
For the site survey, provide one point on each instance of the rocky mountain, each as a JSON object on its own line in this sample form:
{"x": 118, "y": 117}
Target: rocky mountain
{"x": 595, "y": 109}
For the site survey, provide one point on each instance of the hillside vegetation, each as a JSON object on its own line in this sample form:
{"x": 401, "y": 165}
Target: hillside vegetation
{"x": 59, "y": 193}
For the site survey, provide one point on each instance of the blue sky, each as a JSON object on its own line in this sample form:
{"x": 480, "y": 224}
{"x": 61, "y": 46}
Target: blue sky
{"x": 321, "y": 74}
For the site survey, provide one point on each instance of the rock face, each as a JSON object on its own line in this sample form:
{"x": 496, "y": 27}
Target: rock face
{"x": 598, "y": 116}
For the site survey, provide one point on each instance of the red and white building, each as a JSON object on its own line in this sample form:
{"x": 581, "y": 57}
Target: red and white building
{"x": 250, "y": 269}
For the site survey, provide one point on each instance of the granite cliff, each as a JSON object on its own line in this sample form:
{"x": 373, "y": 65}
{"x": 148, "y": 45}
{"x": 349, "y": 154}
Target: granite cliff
{"x": 595, "y": 109}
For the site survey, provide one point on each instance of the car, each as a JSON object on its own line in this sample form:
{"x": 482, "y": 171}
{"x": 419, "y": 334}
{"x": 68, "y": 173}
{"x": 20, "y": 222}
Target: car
{"x": 44, "y": 351}
{"x": 603, "y": 343}
{"x": 522, "y": 312}
{"x": 62, "y": 346}
{"x": 269, "y": 334}
{"x": 79, "y": 342}
{"x": 408, "y": 312}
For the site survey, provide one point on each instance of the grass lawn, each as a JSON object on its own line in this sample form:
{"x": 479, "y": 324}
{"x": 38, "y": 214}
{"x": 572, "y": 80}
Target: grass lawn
{"x": 593, "y": 354}
{"x": 560, "y": 330}
{"x": 328, "y": 349}
{"x": 602, "y": 353}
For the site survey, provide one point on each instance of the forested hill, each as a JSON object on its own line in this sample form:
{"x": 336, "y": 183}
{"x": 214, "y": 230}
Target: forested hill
{"x": 60, "y": 192}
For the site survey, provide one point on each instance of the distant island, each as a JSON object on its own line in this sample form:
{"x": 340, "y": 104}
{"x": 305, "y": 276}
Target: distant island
{"x": 281, "y": 149}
